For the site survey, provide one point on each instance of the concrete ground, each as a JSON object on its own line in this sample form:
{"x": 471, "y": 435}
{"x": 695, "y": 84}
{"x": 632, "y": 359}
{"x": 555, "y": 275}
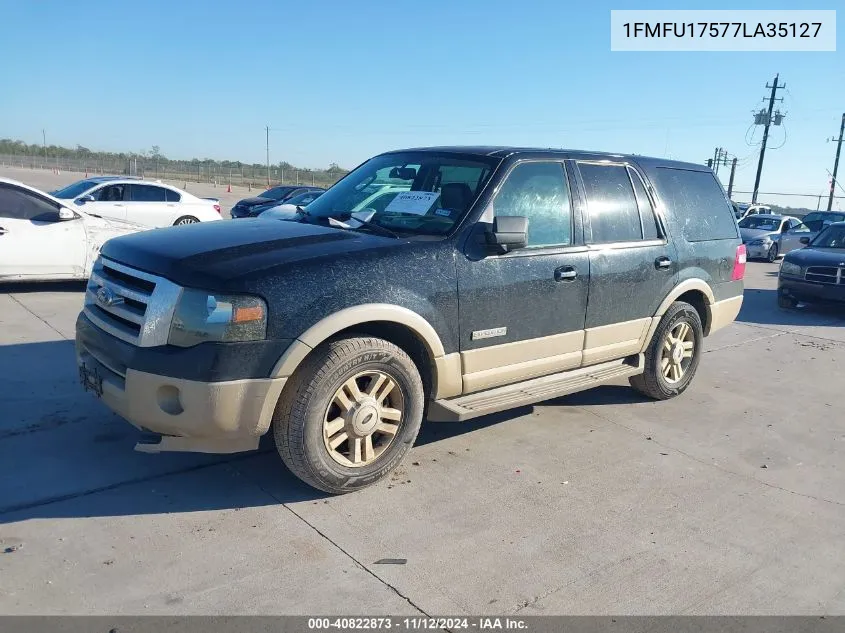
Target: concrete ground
{"x": 46, "y": 180}
{"x": 727, "y": 500}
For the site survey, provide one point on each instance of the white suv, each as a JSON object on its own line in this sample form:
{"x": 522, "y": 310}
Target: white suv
{"x": 149, "y": 203}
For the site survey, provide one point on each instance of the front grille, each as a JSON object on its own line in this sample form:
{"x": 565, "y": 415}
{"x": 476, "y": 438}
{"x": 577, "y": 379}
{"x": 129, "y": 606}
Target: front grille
{"x": 132, "y": 305}
{"x": 825, "y": 275}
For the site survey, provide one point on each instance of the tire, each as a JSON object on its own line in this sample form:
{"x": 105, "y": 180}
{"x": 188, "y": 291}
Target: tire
{"x": 786, "y": 303}
{"x": 309, "y": 416}
{"x": 185, "y": 219}
{"x": 772, "y": 255}
{"x": 653, "y": 382}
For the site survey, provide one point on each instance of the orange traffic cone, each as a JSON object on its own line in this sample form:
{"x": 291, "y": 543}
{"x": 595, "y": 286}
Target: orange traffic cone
{"x": 229, "y": 188}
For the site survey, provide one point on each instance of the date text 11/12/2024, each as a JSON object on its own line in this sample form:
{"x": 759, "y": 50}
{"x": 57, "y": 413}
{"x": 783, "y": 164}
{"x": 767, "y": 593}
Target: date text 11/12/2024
{"x": 416, "y": 623}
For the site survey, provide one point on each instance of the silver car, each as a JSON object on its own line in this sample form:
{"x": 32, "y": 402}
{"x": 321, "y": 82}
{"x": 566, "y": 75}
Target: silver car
{"x": 810, "y": 226}
{"x": 762, "y": 235}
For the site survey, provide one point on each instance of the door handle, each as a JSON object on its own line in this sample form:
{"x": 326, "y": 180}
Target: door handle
{"x": 3, "y": 231}
{"x": 662, "y": 262}
{"x": 565, "y": 273}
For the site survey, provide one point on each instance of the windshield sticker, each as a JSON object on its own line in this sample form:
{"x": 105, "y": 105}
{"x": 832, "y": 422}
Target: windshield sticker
{"x": 414, "y": 202}
{"x": 445, "y": 212}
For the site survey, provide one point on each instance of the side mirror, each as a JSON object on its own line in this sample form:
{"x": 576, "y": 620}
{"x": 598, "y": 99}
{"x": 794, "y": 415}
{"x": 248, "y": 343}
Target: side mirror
{"x": 66, "y": 214}
{"x": 84, "y": 199}
{"x": 804, "y": 240}
{"x": 509, "y": 233}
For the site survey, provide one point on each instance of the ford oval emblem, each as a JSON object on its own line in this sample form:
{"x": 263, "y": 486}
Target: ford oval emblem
{"x": 107, "y": 298}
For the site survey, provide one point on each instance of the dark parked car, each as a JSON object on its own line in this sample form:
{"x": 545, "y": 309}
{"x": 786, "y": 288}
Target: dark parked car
{"x": 815, "y": 272}
{"x": 493, "y": 278}
{"x": 251, "y": 207}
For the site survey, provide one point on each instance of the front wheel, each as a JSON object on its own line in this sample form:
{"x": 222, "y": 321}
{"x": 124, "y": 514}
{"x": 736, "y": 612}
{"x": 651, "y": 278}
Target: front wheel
{"x": 672, "y": 357}
{"x": 349, "y": 414}
{"x": 786, "y": 302}
{"x": 772, "y": 255}
{"x": 185, "y": 219}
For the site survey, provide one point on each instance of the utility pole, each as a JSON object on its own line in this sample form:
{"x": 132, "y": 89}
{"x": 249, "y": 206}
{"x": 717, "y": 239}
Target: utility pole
{"x": 731, "y": 181}
{"x": 836, "y": 163}
{"x": 710, "y": 163}
{"x": 44, "y": 138}
{"x": 267, "y": 130}
{"x": 716, "y": 155}
{"x": 767, "y": 121}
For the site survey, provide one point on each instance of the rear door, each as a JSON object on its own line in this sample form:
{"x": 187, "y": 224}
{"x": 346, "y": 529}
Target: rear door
{"x": 632, "y": 263}
{"x": 522, "y": 313}
{"x": 148, "y": 205}
{"x": 33, "y": 241}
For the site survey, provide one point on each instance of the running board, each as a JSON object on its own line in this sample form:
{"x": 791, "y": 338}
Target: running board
{"x": 535, "y": 390}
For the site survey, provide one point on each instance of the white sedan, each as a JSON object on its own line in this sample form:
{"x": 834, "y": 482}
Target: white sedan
{"x": 152, "y": 204}
{"x": 42, "y": 238}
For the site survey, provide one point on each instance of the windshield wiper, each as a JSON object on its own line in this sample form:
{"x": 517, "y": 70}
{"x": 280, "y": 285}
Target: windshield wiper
{"x": 377, "y": 228}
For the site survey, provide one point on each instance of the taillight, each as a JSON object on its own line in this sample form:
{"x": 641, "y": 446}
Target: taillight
{"x": 739, "y": 263}
{"x": 217, "y": 208}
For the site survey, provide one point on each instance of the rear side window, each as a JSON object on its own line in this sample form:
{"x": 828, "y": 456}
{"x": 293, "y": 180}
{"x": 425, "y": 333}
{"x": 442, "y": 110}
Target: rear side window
{"x": 614, "y": 215}
{"x": 147, "y": 193}
{"x": 699, "y": 204}
{"x": 172, "y": 196}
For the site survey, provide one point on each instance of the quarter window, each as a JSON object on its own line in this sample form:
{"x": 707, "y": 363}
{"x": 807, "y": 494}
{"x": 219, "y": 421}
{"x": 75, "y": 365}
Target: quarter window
{"x": 17, "y": 204}
{"x": 538, "y": 191}
{"x": 614, "y": 214}
{"x": 147, "y": 193}
{"x": 172, "y": 196}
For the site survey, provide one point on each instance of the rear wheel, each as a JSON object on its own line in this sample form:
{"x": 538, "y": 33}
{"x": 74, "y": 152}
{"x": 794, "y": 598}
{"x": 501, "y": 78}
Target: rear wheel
{"x": 772, "y": 255}
{"x": 672, "y": 357}
{"x": 185, "y": 219}
{"x": 349, "y": 414}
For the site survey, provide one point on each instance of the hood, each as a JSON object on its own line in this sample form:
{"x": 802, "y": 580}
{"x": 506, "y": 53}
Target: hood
{"x": 808, "y": 256}
{"x": 251, "y": 202}
{"x": 755, "y": 234}
{"x": 221, "y": 255}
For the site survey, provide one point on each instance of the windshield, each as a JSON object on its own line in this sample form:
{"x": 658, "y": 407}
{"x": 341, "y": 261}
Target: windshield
{"x": 831, "y": 237}
{"x": 277, "y": 193}
{"x": 760, "y": 224}
{"x": 413, "y": 192}
{"x": 75, "y": 190}
{"x": 815, "y": 221}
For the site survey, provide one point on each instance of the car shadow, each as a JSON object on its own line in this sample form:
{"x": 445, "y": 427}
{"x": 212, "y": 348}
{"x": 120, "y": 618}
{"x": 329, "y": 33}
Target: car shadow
{"x": 760, "y": 307}
{"x": 43, "y": 286}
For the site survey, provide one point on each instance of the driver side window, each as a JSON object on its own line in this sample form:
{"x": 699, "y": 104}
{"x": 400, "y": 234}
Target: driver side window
{"x": 109, "y": 193}
{"x": 19, "y": 204}
{"x": 538, "y": 191}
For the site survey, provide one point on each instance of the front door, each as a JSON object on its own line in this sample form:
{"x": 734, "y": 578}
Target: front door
{"x": 632, "y": 264}
{"x": 34, "y": 243}
{"x": 109, "y": 202}
{"x": 522, "y": 313}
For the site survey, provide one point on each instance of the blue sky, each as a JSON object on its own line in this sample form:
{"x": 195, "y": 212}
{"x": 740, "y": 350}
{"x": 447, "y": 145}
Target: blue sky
{"x": 340, "y": 81}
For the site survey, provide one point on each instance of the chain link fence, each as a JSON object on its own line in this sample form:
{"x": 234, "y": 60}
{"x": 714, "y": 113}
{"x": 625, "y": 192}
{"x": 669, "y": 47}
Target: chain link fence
{"x": 235, "y": 174}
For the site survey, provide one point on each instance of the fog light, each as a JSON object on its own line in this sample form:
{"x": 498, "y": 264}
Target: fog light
{"x": 168, "y": 400}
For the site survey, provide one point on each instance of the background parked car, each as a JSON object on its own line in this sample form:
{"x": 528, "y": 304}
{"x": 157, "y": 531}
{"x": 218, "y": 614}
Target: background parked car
{"x": 814, "y": 273}
{"x": 43, "y": 238}
{"x": 248, "y": 207}
{"x": 152, "y": 204}
{"x": 761, "y": 234}
{"x": 287, "y": 210}
{"x": 744, "y": 210}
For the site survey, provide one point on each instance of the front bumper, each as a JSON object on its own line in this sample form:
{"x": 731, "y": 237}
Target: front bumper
{"x": 209, "y": 416}
{"x": 802, "y": 290}
{"x": 758, "y": 251}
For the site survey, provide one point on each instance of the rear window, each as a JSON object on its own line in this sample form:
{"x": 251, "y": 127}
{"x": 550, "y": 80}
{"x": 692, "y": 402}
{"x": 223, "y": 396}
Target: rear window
{"x": 698, "y": 203}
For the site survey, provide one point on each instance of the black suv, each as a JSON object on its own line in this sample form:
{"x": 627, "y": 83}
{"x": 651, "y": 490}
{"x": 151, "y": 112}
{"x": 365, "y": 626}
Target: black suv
{"x": 438, "y": 284}
{"x": 252, "y": 207}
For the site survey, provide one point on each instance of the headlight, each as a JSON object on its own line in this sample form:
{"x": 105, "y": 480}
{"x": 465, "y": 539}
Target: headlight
{"x": 203, "y": 316}
{"x": 788, "y": 268}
